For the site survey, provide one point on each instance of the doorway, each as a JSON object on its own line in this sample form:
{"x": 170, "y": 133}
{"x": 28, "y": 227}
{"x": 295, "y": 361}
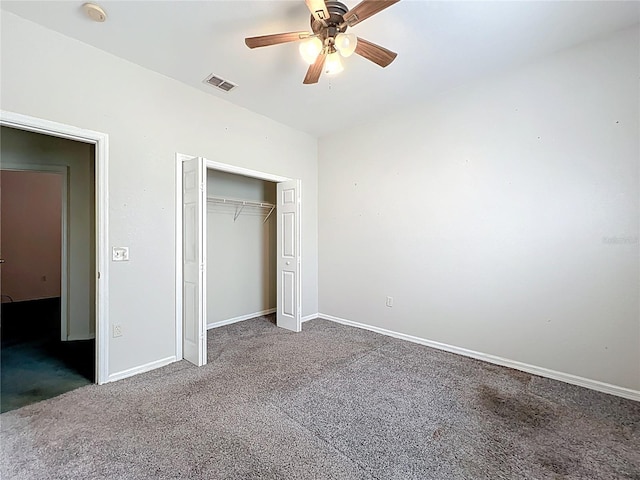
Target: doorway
{"x": 192, "y": 266}
{"x": 48, "y": 270}
{"x": 95, "y": 248}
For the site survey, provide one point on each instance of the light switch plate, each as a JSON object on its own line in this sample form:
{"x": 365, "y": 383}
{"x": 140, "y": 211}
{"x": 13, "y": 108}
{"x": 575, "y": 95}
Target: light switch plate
{"x": 120, "y": 254}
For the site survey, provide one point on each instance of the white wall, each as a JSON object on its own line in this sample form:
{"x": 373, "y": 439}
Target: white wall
{"x": 502, "y": 217}
{"x": 148, "y": 118}
{"x": 21, "y": 147}
{"x": 241, "y": 254}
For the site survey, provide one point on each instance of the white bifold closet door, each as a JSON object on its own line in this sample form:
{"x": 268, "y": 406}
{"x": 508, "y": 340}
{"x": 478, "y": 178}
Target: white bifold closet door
{"x": 288, "y": 245}
{"x": 194, "y": 345}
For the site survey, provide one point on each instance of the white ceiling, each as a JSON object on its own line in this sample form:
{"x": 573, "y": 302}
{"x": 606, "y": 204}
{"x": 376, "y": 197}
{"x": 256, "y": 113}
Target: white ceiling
{"x": 440, "y": 45}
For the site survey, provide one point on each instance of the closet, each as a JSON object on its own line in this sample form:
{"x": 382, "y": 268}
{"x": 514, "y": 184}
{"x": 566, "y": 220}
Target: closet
{"x": 241, "y": 263}
{"x": 238, "y": 253}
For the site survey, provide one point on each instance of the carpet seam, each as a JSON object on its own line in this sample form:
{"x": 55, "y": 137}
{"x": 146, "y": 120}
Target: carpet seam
{"x": 325, "y": 441}
{"x": 365, "y": 354}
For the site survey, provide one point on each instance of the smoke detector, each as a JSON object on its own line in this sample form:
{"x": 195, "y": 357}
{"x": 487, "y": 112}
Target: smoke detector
{"x": 94, "y": 12}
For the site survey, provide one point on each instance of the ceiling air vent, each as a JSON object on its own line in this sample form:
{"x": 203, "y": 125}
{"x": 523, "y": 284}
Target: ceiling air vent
{"x": 219, "y": 83}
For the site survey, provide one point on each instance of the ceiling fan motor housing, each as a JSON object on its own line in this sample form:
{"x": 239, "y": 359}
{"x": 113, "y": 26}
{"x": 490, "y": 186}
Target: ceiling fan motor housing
{"x": 334, "y": 24}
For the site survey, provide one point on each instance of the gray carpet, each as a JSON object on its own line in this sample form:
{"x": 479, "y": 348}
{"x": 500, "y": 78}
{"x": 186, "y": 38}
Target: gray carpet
{"x": 332, "y": 402}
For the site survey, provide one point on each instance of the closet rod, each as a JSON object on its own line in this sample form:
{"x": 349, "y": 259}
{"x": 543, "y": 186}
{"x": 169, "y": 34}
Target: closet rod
{"x": 242, "y": 204}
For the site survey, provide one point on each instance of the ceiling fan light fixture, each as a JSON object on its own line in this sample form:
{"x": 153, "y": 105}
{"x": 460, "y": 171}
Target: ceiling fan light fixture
{"x": 346, "y": 43}
{"x": 329, "y": 42}
{"x": 333, "y": 64}
{"x": 310, "y": 49}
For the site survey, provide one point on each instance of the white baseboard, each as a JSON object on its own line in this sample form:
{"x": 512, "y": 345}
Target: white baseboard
{"x": 141, "y": 369}
{"x": 306, "y": 318}
{"x": 241, "y": 318}
{"x": 505, "y": 362}
{"x": 73, "y": 338}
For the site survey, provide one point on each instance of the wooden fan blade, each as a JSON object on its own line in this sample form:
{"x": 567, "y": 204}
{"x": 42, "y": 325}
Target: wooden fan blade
{"x": 366, "y": 9}
{"x": 375, "y": 53}
{"x": 318, "y": 9}
{"x": 275, "y": 39}
{"x": 313, "y": 74}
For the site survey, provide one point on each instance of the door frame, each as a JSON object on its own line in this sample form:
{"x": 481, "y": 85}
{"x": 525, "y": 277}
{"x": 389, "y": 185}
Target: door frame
{"x": 63, "y": 171}
{"x": 209, "y": 165}
{"x": 100, "y": 141}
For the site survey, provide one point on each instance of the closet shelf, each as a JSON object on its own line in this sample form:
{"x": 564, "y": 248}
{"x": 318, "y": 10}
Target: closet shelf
{"x": 241, "y": 204}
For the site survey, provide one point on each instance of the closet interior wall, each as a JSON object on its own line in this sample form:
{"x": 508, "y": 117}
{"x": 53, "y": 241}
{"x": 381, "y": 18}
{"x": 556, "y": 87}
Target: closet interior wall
{"x": 241, "y": 248}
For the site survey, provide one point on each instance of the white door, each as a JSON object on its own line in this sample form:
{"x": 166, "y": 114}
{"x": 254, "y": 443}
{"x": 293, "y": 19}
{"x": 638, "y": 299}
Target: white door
{"x": 194, "y": 297}
{"x": 288, "y": 244}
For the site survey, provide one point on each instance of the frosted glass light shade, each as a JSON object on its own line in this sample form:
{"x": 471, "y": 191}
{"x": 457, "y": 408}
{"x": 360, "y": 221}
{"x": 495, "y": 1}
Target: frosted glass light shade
{"x": 346, "y": 43}
{"x": 333, "y": 64}
{"x": 310, "y": 49}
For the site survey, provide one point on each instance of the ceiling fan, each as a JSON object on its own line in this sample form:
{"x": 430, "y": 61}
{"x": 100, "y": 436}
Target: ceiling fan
{"x": 323, "y": 48}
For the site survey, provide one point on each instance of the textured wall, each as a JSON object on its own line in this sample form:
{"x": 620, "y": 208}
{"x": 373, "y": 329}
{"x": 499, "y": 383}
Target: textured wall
{"x": 502, "y": 217}
{"x": 149, "y": 118}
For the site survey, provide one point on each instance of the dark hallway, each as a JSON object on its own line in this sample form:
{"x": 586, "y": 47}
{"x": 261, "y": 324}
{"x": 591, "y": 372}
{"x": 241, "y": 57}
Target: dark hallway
{"x": 35, "y": 364}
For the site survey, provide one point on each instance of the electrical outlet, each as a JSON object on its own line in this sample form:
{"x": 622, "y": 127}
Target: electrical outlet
{"x": 117, "y": 331}
{"x": 389, "y": 301}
